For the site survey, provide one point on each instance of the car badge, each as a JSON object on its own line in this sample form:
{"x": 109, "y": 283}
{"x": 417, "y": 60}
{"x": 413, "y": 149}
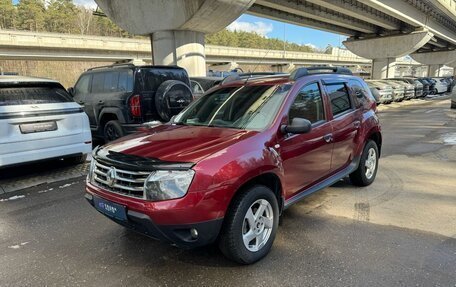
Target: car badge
{"x": 111, "y": 177}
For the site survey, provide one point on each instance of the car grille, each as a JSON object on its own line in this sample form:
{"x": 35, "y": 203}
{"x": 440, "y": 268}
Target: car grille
{"x": 126, "y": 182}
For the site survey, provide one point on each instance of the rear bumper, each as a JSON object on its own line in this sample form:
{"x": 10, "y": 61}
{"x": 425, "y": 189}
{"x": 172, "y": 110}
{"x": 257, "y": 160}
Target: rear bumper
{"x": 179, "y": 235}
{"x": 21, "y": 157}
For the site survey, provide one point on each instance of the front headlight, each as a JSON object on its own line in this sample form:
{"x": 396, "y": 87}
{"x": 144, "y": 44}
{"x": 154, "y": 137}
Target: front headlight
{"x": 168, "y": 184}
{"x": 91, "y": 171}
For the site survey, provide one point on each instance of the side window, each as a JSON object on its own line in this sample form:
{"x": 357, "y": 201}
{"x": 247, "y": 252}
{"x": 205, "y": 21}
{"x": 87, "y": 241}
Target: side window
{"x": 98, "y": 83}
{"x": 82, "y": 86}
{"x": 111, "y": 81}
{"x": 359, "y": 92}
{"x": 339, "y": 97}
{"x": 125, "y": 81}
{"x": 308, "y": 104}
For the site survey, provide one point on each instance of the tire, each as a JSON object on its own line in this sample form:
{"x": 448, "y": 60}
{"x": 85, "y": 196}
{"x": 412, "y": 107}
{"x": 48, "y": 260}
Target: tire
{"x": 112, "y": 131}
{"x": 366, "y": 172}
{"x": 453, "y": 105}
{"x": 172, "y": 96}
{"x": 236, "y": 225}
{"x": 77, "y": 159}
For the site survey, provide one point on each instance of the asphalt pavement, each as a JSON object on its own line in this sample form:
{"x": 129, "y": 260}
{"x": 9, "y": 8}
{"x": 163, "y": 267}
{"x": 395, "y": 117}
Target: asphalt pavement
{"x": 400, "y": 231}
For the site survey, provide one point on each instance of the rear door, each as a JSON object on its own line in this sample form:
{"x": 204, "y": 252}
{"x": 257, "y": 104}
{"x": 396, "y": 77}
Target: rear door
{"x": 82, "y": 96}
{"x": 307, "y": 157}
{"x": 36, "y": 116}
{"x": 345, "y": 123}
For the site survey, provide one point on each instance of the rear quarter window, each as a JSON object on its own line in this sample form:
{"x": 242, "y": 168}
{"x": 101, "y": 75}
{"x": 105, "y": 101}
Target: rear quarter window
{"x": 153, "y": 78}
{"x": 33, "y": 94}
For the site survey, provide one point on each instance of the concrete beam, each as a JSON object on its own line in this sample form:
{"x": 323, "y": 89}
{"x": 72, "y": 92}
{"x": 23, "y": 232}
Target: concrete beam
{"x": 262, "y": 11}
{"x": 411, "y": 15}
{"x": 145, "y": 17}
{"x": 310, "y": 11}
{"x": 356, "y": 11}
{"x": 388, "y": 47}
{"x": 435, "y": 58}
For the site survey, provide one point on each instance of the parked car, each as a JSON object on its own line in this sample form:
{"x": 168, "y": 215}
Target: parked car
{"x": 226, "y": 167}
{"x": 418, "y": 86}
{"x": 409, "y": 89}
{"x": 441, "y": 85}
{"x": 119, "y": 98}
{"x": 426, "y": 86}
{"x": 385, "y": 92}
{"x": 398, "y": 90}
{"x": 433, "y": 83}
{"x": 202, "y": 84}
{"x": 453, "y": 98}
{"x": 40, "y": 121}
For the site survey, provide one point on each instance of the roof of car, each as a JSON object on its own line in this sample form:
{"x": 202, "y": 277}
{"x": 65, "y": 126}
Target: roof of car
{"x": 24, "y": 79}
{"x": 128, "y": 65}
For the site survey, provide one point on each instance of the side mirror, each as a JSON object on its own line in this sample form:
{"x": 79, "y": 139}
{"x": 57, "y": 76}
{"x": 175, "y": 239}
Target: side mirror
{"x": 298, "y": 126}
{"x": 71, "y": 91}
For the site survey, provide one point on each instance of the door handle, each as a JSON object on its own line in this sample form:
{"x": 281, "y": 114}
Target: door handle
{"x": 100, "y": 101}
{"x": 357, "y": 124}
{"x": 328, "y": 138}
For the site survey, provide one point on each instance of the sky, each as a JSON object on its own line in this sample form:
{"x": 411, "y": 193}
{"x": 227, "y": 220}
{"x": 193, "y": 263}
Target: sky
{"x": 271, "y": 29}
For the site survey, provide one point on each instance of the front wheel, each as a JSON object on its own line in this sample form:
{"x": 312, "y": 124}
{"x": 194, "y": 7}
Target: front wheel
{"x": 365, "y": 174}
{"x": 250, "y": 225}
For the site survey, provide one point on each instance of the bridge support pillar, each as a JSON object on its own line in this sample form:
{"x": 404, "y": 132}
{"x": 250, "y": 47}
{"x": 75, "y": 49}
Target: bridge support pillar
{"x": 181, "y": 48}
{"x": 384, "y": 50}
{"x": 434, "y": 70}
{"x": 176, "y": 27}
{"x": 383, "y": 68}
{"x": 435, "y": 60}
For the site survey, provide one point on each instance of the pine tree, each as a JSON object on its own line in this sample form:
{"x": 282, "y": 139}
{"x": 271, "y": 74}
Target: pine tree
{"x": 30, "y": 15}
{"x": 7, "y": 15}
{"x": 61, "y": 17}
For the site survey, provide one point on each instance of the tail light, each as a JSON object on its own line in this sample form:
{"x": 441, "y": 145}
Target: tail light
{"x": 135, "y": 105}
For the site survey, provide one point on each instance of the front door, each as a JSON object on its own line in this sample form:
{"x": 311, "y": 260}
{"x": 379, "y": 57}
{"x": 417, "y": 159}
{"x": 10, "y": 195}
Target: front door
{"x": 345, "y": 125}
{"x": 307, "y": 157}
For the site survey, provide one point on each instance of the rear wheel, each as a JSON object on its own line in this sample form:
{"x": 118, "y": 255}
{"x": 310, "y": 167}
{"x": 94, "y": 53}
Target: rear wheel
{"x": 112, "y": 131}
{"x": 250, "y": 225}
{"x": 453, "y": 105}
{"x": 365, "y": 174}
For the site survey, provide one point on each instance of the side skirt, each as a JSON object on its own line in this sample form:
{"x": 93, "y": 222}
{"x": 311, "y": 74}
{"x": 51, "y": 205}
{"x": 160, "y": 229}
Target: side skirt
{"x": 325, "y": 183}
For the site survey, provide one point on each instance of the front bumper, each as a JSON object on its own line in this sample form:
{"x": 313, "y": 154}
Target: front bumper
{"x": 176, "y": 234}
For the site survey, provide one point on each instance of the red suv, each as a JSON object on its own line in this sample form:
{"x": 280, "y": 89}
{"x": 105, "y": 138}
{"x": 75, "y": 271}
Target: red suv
{"x": 225, "y": 168}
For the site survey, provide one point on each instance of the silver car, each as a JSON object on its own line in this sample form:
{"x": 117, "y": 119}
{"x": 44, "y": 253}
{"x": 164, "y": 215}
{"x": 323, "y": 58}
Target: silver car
{"x": 398, "y": 90}
{"x": 453, "y": 99}
{"x": 385, "y": 92}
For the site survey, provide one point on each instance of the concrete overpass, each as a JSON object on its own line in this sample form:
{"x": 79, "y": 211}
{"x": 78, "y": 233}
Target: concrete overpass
{"x": 381, "y": 30}
{"x": 51, "y": 46}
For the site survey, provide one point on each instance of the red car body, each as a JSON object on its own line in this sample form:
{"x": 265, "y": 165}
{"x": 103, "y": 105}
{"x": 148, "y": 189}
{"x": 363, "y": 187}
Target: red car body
{"x": 225, "y": 160}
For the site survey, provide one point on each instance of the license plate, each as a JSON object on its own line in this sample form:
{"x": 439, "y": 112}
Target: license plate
{"x": 110, "y": 208}
{"x": 38, "y": 127}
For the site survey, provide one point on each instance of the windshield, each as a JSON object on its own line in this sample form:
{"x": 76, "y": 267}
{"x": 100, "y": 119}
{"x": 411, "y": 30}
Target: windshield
{"x": 247, "y": 107}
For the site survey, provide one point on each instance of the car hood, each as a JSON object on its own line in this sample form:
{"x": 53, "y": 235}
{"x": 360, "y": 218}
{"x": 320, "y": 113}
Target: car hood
{"x": 178, "y": 143}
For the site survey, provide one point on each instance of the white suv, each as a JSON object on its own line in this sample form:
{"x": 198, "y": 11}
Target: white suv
{"x": 39, "y": 120}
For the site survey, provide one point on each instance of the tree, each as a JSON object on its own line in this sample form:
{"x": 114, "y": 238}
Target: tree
{"x": 60, "y": 16}
{"x": 7, "y": 14}
{"x": 30, "y": 15}
{"x": 84, "y": 20}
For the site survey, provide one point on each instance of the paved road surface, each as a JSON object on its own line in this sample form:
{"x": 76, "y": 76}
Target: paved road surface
{"x": 401, "y": 231}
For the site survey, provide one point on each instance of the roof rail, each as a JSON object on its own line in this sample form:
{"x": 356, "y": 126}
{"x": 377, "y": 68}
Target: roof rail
{"x": 112, "y": 66}
{"x": 247, "y": 76}
{"x": 301, "y": 72}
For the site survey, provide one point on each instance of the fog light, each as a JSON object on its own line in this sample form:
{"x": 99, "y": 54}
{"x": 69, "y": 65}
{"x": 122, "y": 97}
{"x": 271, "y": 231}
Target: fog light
{"x": 194, "y": 233}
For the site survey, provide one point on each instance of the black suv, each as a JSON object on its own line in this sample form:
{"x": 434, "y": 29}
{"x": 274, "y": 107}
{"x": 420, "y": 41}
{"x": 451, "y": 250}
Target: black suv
{"x": 119, "y": 98}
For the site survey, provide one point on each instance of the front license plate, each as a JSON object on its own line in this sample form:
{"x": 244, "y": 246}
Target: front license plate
{"x": 110, "y": 208}
{"x": 38, "y": 127}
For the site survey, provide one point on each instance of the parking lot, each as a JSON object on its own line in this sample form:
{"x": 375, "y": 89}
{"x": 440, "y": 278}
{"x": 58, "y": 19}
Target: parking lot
{"x": 400, "y": 231}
